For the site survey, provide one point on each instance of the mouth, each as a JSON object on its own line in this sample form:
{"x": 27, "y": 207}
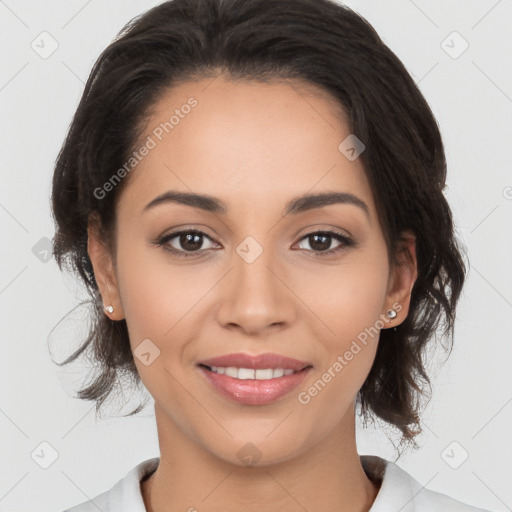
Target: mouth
{"x": 253, "y": 386}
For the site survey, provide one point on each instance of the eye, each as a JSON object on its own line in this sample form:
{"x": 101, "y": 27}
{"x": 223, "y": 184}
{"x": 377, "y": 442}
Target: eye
{"x": 184, "y": 242}
{"x": 321, "y": 240}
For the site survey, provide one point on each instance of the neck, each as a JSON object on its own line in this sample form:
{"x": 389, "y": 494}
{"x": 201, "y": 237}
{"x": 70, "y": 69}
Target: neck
{"x": 327, "y": 477}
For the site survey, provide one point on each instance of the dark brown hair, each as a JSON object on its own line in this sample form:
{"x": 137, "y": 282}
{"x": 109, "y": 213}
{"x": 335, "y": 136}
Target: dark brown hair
{"x": 315, "y": 41}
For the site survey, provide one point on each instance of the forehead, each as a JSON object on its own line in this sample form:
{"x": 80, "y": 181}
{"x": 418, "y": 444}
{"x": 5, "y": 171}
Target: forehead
{"x": 245, "y": 140}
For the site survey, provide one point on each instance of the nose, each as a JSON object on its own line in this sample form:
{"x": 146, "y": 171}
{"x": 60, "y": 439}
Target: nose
{"x": 255, "y": 295}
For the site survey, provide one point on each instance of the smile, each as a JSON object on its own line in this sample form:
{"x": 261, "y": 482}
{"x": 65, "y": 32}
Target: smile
{"x": 253, "y": 386}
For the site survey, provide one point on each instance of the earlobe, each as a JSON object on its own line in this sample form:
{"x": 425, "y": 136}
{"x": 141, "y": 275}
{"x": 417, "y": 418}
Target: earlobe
{"x": 103, "y": 267}
{"x": 405, "y": 273}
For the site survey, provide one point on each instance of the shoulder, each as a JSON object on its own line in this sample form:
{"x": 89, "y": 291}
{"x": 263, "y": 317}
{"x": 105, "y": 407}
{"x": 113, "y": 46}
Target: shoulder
{"x": 124, "y": 495}
{"x": 400, "y": 491}
{"x": 431, "y": 500}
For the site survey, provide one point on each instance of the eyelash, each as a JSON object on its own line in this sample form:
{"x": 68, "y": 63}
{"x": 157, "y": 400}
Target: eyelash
{"x": 346, "y": 242}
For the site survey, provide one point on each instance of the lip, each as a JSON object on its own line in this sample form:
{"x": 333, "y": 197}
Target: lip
{"x": 257, "y": 362}
{"x": 254, "y": 391}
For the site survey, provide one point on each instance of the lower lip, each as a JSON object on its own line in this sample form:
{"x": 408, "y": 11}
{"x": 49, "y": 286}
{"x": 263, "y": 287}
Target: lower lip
{"x": 254, "y": 391}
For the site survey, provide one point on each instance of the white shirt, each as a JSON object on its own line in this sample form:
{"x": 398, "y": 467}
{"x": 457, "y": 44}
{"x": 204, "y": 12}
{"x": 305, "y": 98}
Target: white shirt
{"x": 399, "y": 491}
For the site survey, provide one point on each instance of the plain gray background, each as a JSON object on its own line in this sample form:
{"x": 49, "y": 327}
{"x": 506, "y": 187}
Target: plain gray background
{"x": 470, "y": 93}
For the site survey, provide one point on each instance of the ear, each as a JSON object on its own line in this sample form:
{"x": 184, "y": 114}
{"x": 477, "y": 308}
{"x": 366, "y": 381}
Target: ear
{"x": 402, "y": 278}
{"x": 104, "y": 273}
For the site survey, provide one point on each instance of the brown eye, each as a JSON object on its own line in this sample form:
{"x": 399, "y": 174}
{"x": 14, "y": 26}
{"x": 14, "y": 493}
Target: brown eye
{"x": 184, "y": 242}
{"x": 320, "y": 242}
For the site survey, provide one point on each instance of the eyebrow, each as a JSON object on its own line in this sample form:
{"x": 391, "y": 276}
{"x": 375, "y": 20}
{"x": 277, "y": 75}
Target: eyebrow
{"x": 296, "y": 205}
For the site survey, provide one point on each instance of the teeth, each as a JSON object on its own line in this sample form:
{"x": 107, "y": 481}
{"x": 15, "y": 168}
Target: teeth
{"x": 250, "y": 373}
{"x": 231, "y": 372}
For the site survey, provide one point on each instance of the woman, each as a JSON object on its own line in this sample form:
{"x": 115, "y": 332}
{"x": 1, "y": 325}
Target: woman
{"x": 252, "y": 192}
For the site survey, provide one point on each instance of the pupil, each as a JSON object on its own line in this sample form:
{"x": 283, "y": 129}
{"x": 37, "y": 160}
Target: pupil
{"x": 318, "y": 247}
{"x": 187, "y": 243}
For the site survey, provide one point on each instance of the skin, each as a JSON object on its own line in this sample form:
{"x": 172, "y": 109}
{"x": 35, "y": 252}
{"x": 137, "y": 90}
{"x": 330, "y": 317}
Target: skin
{"x": 254, "y": 146}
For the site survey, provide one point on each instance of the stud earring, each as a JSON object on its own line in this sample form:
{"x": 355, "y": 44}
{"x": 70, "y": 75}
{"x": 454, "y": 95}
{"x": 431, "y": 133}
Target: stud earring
{"x": 391, "y": 314}
{"x": 109, "y": 308}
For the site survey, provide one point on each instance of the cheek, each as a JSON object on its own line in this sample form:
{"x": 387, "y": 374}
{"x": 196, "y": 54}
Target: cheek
{"x": 160, "y": 302}
{"x": 156, "y": 299}
{"x": 349, "y": 298}
{"x": 349, "y": 302}
{"x": 349, "y": 354}
{"x": 156, "y": 296}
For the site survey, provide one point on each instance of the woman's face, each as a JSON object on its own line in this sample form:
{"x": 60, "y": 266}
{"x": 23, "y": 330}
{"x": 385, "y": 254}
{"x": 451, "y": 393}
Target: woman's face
{"x": 255, "y": 279}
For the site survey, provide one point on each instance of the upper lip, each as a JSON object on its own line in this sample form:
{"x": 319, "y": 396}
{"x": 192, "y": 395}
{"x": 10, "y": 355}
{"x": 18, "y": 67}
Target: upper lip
{"x": 257, "y": 362}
